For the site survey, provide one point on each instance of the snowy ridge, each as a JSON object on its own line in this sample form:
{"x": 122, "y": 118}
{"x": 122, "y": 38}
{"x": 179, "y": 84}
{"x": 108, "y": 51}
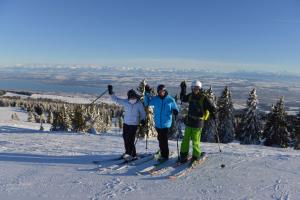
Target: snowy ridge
{"x": 45, "y": 165}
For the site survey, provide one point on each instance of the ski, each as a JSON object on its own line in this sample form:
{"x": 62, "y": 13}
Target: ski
{"x": 191, "y": 166}
{"x": 158, "y": 165}
{"x": 120, "y": 162}
{"x": 164, "y": 169}
{"x": 136, "y": 162}
{"x": 107, "y": 160}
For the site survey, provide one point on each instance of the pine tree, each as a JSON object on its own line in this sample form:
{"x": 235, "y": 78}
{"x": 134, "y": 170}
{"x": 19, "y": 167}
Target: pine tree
{"x": 61, "y": 121}
{"x": 225, "y": 117}
{"x": 250, "y": 124}
{"x": 148, "y": 130}
{"x": 78, "y": 120}
{"x": 120, "y": 120}
{"x": 50, "y": 117}
{"x": 55, "y": 125}
{"x": 276, "y": 131}
{"x": 66, "y": 120}
{"x": 15, "y": 117}
{"x": 41, "y": 127}
{"x": 31, "y": 117}
{"x": 211, "y": 127}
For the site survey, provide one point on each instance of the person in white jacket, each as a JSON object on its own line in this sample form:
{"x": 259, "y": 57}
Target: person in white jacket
{"x": 134, "y": 114}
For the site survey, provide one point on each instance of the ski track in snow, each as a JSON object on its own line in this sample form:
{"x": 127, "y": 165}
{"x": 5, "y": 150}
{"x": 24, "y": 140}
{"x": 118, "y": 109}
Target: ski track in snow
{"x": 45, "y": 165}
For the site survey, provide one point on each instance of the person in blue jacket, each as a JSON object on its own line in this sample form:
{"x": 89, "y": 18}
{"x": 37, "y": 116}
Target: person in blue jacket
{"x": 164, "y": 105}
{"x": 134, "y": 114}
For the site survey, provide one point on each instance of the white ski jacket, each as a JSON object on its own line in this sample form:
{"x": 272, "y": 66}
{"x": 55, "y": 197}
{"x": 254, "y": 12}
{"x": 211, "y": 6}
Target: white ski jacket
{"x": 133, "y": 112}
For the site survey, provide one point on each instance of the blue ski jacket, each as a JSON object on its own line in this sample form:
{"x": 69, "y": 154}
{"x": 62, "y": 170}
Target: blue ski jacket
{"x": 163, "y": 108}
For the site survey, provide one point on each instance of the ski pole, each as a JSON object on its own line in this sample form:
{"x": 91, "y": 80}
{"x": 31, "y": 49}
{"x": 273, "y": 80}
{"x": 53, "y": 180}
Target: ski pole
{"x": 147, "y": 140}
{"x": 218, "y": 139}
{"x": 98, "y": 97}
{"x": 177, "y": 146}
{"x": 177, "y": 138}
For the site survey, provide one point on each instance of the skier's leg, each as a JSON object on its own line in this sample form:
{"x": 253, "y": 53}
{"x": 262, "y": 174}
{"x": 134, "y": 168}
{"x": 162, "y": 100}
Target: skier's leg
{"x": 163, "y": 142}
{"x": 196, "y": 136}
{"x": 165, "y": 145}
{"x": 126, "y": 133}
{"x": 132, "y": 134}
{"x": 185, "y": 144}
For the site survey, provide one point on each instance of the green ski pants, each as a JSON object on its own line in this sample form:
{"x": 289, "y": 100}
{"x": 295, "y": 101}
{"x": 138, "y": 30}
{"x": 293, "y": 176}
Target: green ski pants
{"x": 195, "y": 135}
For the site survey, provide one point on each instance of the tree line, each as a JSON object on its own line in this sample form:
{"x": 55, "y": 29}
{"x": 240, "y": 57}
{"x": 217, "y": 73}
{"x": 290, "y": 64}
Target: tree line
{"x": 249, "y": 126}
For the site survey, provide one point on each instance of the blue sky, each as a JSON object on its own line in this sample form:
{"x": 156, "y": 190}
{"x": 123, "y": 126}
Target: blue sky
{"x": 228, "y": 35}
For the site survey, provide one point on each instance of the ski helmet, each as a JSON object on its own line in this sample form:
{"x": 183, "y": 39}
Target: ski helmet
{"x": 196, "y": 83}
{"x": 131, "y": 94}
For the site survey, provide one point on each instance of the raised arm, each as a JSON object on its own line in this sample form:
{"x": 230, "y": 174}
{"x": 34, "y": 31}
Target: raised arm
{"x": 183, "y": 95}
{"x": 114, "y": 97}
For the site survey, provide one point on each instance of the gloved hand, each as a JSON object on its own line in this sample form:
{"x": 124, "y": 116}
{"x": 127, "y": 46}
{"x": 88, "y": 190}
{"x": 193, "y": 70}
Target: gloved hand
{"x": 147, "y": 88}
{"x": 110, "y": 89}
{"x": 183, "y": 89}
{"x": 143, "y": 122}
{"x": 183, "y": 85}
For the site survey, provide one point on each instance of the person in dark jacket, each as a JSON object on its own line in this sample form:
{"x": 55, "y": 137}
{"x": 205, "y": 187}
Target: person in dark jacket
{"x": 133, "y": 115}
{"x": 200, "y": 107}
{"x": 164, "y": 105}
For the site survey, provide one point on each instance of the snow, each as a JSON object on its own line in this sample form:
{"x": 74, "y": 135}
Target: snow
{"x": 66, "y": 98}
{"x": 46, "y": 165}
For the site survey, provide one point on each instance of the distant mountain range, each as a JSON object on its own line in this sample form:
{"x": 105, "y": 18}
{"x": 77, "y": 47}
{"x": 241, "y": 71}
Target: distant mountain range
{"x": 75, "y": 70}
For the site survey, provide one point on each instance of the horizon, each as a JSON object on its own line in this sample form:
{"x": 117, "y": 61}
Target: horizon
{"x": 219, "y": 36}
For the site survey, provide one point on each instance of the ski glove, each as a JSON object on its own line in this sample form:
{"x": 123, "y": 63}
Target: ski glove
{"x": 110, "y": 89}
{"x": 183, "y": 90}
{"x": 183, "y": 85}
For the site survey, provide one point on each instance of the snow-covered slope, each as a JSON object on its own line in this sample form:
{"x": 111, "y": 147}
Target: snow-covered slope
{"x": 47, "y": 165}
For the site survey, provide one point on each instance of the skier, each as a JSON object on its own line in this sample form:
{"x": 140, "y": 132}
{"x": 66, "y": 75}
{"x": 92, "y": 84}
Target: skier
{"x": 200, "y": 107}
{"x": 164, "y": 105}
{"x": 133, "y": 115}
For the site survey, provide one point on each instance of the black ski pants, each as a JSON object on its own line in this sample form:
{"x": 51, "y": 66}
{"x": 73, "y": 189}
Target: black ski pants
{"x": 163, "y": 141}
{"x": 129, "y": 132}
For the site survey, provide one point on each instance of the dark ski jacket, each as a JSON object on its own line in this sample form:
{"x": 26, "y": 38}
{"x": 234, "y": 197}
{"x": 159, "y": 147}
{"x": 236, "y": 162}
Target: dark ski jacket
{"x": 199, "y": 105}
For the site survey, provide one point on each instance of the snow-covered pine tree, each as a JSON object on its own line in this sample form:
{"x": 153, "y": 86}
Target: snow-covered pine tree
{"x": 276, "y": 130}
{"x": 225, "y": 117}
{"x": 15, "y": 117}
{"x": 42, "y": 127}
{"x": 250, "y": 126}
{"x": 37, "y": 118}
{"x": 148, "y": 130}
{"x": 120, "y": 121}
{"x": 67, "y": 122}
{"x": 61, "y": 121}
{"x": 31, "y": 117}
{"x": 78, "y": 120}
{"x": 96, "y": 119}
{"x": 42, "y": 118}
{"x": 55, "y": 123}
{"x": 211, "y": 127}
{"x": 50, "y": 117}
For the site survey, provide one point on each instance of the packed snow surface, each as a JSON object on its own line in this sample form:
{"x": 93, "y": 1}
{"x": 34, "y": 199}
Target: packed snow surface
{"x": 50, "y": 165}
